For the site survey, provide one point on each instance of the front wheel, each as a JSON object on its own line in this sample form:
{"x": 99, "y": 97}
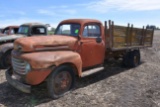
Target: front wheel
{"x": 60, "y": 81}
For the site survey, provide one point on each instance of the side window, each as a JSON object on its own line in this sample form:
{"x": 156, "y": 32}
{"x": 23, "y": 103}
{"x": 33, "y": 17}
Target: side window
{"x": 6, "y": 31}
{"x": 91, "y": 31}
{"x": 37, "y": 30}
{"x": 12, "y": 31}
{"x": 15, "y": 30}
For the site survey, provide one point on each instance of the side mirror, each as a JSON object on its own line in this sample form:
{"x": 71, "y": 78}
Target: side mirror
{"x": 98, "y": 40}
{"x": 79, "y": 38}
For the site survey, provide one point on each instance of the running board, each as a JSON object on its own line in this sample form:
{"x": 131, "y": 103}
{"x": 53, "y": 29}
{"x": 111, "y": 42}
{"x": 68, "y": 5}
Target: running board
{"x": 92, "y": 71}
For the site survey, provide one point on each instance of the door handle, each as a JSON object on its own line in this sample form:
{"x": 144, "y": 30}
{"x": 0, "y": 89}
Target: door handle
{"x": 98, "y": 40}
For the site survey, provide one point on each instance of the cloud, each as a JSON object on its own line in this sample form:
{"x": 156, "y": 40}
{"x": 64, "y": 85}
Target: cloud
{"x": 19, "y": 21}
{"x": 20, "y": 12}
{"x": 70, "y": 11}
{"x": 12, "y": 12}
{"x": 46, "y": 12}
{"x": 62, "y": 6}
{"x": 102, "y": 6}
{"x": 57, "y": 11}
{"x": 2, "y": 16}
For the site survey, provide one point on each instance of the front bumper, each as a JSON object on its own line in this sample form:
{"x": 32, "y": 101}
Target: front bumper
{"x": 16, "y": 84}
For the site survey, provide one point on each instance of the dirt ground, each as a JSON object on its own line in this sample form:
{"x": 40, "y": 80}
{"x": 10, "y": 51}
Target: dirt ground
{"x": 114, "y": 87}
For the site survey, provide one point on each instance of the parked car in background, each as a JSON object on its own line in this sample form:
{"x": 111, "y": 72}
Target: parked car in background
{"x": 6, "y": 42}
{"x": 1, "y": 29}
{"x": 9, "y": 30}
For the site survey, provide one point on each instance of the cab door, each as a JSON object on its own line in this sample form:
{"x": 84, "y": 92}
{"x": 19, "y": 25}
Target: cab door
{"x": 92, "y": 45}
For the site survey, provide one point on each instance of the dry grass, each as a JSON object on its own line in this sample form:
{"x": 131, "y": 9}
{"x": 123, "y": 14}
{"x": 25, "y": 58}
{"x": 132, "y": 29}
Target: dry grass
{"x": 113, "y": 87}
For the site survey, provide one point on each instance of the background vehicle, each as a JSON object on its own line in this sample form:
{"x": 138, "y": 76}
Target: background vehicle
{"x": 1, "y": 29}
{"x": 6, "y": 42}
{"x": 9, "y": 30}
{"x": 78, "y": 48}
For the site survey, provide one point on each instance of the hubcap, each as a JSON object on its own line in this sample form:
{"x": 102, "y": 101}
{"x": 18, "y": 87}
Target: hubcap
{"x": 62, "y": 82}
{"x": 136, "y": 61}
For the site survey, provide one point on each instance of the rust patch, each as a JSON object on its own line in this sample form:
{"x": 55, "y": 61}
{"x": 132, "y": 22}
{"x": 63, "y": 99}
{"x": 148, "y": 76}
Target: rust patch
{"x": 37, "y": 76}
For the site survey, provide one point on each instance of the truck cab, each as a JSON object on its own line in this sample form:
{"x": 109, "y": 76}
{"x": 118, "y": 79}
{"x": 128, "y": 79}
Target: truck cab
{"x": 13, "y": 33}
{"x": 77, "y": 49}
{"x": 90, "y": 38}
{"x": 30, "y": 29}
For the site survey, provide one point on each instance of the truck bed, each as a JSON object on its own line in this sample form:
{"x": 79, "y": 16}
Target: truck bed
{"x": 122, "y": 38}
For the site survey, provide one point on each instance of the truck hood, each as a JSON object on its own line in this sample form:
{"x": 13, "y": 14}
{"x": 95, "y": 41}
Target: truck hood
{"x": 44, "y": 43}
{"x": 1, "y": 34}
{"x": 9, "y": 37}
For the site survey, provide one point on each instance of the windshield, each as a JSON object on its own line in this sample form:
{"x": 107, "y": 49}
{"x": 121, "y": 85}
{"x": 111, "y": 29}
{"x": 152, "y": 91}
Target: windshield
{"x": 23, "y": 30}
{"x": 68, "y": 29}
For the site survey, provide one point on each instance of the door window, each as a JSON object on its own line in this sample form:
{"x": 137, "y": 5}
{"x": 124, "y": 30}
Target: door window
{"x": 91, "y": 31}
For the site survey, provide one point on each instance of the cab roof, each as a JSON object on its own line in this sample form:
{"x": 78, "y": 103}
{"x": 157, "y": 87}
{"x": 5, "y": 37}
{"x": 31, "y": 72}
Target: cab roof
{"x": 34, "y": 24}
{"x": 12, "y": 26}
{"x": 81, "y": 21}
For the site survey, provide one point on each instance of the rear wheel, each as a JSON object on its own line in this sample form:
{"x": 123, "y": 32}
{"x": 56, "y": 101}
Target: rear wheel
{"x": 60, "y": 81}
{"x": 134, "y": 58}
{"x": 131, "y": 59}
{"x": 126, "y": 59}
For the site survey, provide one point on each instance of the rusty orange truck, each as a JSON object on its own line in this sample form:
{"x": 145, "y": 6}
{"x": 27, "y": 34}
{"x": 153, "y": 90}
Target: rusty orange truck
{"x": 79, "y": 47}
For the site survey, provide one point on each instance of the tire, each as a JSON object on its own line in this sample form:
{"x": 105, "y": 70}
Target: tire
{"x": 5, "y": 60}
{"x": 125, "y": 61}
{"x": 134, "y": 59}
{"x": 5, "y": 49}
{"x": 57, "y": 85}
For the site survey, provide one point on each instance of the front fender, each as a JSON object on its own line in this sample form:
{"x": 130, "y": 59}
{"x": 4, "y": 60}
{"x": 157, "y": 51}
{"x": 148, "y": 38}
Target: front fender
{"x": 42, "y": 60}
{"x": 5, "y": 47}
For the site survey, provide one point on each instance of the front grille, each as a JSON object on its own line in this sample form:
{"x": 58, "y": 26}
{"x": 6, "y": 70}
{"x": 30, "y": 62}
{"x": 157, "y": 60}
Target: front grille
{"x": 18, "y": 65}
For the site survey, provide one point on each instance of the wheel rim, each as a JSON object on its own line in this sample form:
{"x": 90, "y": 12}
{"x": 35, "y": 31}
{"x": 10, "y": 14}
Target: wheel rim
{"x": 136, "y": 60}
{"x": 62, "y": 82}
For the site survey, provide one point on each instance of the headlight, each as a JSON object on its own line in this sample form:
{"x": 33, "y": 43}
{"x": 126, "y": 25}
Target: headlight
{"x": 27, "y": 67}
{"x": 18, "y": 47}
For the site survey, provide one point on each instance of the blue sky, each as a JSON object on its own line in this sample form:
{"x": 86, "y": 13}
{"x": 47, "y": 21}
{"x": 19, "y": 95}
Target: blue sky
{"x": 138, "y": 12}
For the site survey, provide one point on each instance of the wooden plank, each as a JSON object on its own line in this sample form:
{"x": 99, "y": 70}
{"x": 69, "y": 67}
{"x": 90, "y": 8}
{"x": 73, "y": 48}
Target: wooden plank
{"x": 142, "y": 42}
{"x": 127, "y": 34}
{"x": 128, "y": 48}
{"x": 137, "y": 36}
{"x": 152, "y": 37}
{"x": 120, "y": 35}
{"x": 148, "y": 37}
{"x": 110, "y": 34}
{"x": 119, "y": 39}
{"x": 106, "y": 31}
{"x": 129, "y": 37}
